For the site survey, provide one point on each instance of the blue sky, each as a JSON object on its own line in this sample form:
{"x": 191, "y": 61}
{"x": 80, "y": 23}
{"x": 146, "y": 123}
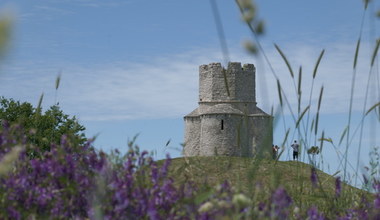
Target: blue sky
{"x": 131, "y": 67}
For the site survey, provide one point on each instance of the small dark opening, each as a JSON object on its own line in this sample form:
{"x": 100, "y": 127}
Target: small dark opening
{"x": 222, "y": 125}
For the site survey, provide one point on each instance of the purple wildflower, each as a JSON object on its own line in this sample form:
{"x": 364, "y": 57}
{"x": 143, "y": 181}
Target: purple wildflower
{"x": 281, "y": 198}
{"x": 13, "y": 213}
{"x": 165, "y": 167}
{"x": 313, "y": 214}
{"x": 314, "y": 177}
{"x": 152, "y": 211}
{"x": 376, "y": 202}
{"x": 350, "y": 214}
{"x": 57, "y": 184}
{"x": 225, "y": 187}
{"x": 376, "y": 186}
{"x": 261, "y": 206}
{"x": 338, "y": 187}
{"x": 281, "y": 201}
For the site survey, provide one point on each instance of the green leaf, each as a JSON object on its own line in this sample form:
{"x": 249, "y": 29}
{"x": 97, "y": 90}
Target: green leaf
{"x": 326, "y": 139}
{"x": 323, "y": 136}
{"x": 343, "y": 134}
{"x": 336, "y": 173}
{"x": 38, "y": 110}
{"x": 301, "y": 116}
{"x": 319, "y": 106}
{"x": 316, "y": 123}
{"x": 285, "y": 59}
{"x": 372, "y": 108}
{"x": 299, "y": 81}
{"x": 286, "y": 137}
{"x": 366, "y": 4}
{"x": 168, "y": 142}
{"x": 375, "y": 52}
{"x": 320, "y": 98}
{"x": 317, "y": 64}
{"x": 279, "y": 91}
{"x": 356, "y": 53}
{"x": 57, "y": 81}
{"x": 312, "y": 125}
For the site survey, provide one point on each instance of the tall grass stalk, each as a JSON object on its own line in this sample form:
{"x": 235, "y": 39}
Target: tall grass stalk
{"x": 365, "y": 111}
{"x": 222, "y": 40}
{"x": 352, "y": 92}
{"x": 303, "y": 134}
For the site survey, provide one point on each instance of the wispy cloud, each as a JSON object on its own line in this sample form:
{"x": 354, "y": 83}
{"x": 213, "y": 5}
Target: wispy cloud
{"x": 163, "y": 87}
{"x": 101, "y": 4}
{"x": 334, "y": 74}
{"x": 167, "y": 87}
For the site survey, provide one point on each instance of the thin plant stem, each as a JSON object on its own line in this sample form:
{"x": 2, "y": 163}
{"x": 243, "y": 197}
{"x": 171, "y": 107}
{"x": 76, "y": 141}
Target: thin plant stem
{"x": 222, "y": 40}
{"x": 352, "y": 93}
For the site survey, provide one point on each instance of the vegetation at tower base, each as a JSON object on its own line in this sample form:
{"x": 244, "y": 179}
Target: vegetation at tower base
{"x": 41, "y": 129}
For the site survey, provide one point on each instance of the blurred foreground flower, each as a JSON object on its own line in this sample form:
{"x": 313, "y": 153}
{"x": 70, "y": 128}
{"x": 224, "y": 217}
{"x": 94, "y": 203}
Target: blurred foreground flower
{"x": 206, "y": 207}
{"x": 9, "y": 159}
{"x": 241, "y": 200}
{"x": 5, "y": 32}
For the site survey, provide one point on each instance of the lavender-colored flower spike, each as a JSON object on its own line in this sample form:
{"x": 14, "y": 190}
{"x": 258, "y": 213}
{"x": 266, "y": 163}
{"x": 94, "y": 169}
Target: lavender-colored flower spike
{"x": 338, "y": 187}
{"x": 376, "y": 203}
{"x": 281, "y": 201}
{"x": 314, "y": 177}
{"x": 377, "y": 186}
{"x": 313, "y": 214}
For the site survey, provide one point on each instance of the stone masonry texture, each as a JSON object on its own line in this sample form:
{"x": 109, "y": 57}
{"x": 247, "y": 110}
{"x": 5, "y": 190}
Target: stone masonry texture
{"x": 227, "y": 121}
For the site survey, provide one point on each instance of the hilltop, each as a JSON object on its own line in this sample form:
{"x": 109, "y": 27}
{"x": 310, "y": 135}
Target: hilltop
{"x": 259, "y": 178}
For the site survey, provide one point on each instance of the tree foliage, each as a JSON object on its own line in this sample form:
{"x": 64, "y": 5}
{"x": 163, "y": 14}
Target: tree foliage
{"x": 41, "y": 129}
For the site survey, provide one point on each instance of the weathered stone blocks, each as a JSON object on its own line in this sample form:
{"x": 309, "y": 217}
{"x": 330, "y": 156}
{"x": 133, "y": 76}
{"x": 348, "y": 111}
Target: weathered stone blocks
{"x": 227, "y": 121}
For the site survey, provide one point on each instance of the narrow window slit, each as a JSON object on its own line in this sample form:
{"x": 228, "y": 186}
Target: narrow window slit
{"x": 222, "y": 125}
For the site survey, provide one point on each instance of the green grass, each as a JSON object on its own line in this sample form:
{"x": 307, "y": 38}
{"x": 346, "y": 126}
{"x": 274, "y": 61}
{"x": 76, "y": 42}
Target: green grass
{"x": 259, "y": 178}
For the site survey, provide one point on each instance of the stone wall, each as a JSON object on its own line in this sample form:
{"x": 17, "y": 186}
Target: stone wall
{"x": 262, "y": 134}
{"x": 223, "y": 134}
{"x": 227, "y": 124}
{"x": 192, "y": 136}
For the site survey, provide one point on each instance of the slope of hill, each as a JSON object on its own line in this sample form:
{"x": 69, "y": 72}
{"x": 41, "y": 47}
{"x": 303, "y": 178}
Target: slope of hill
{"x": 259, "y": 178}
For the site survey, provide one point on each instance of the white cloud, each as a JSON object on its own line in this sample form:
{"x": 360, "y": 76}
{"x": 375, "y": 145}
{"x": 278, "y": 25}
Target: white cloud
{"x": 334, "y": 74}
{"x": 167, "y": 86}
{"x": 164, "y": 87}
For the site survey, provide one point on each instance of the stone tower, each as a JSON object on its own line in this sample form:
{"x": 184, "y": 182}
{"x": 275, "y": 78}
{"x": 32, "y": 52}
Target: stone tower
{"x": 227, "y": 121}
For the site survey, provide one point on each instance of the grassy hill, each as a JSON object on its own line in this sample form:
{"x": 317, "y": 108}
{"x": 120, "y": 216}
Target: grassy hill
{"x": 259, "y": 178}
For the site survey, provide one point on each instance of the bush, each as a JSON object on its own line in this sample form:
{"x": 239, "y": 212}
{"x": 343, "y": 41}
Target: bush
{"x": 41, "y": 129}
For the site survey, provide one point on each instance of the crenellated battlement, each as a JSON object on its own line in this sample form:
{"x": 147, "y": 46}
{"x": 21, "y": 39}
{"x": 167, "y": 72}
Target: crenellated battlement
{"x": 233, "y": 67}
{"x": 240, "y": 84}
{"x": 249, "y": 67}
